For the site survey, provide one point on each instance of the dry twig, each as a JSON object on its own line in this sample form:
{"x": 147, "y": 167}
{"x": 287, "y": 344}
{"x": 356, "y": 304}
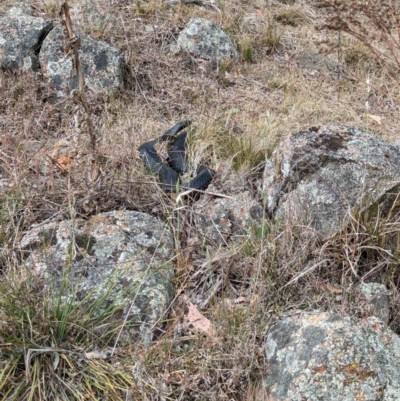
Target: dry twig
{"x": 72, "y": 47}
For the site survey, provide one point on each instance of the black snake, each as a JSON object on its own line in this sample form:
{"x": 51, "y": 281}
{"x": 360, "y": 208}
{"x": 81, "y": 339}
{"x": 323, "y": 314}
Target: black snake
{"x": 177, "y": 161}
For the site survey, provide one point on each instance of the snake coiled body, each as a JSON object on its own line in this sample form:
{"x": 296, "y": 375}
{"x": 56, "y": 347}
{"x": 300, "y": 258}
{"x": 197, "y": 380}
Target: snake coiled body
{"x": 169, "y": 174}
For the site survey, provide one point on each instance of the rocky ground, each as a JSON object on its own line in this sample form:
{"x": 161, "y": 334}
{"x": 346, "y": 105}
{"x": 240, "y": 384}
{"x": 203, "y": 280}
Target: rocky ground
{"x": 279, "y": 282}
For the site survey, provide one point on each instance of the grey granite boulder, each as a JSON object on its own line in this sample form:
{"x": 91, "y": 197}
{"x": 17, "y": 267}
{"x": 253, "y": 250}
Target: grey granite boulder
{"x": 320, "y": 175}
{"x": 121, "y": 257}
{"x": 102, "y": 63}
{"x": 21, "y": 36}
{"x": 205, "y": 39}
{"x": 326, "y": 357}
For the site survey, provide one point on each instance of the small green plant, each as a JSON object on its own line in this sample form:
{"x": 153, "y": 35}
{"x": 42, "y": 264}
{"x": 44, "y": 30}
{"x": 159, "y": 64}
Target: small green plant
{"x": 225, "y": 66}
{"x": 292, "y": 15}
{"x": 245, "y": 153}
{"x": 357, "y": 55}
{"x": 52, "y": 6}
{"x": 139, "y": 8}
{"x": 257, "y": 235}
{"x": 271, "y": 38}
{"x": 246, "y": 49}
{"x": 247, "y": 53}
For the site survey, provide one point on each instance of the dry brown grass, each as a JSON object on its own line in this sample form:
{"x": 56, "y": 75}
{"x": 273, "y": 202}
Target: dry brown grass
{"x": 240, "y": 111}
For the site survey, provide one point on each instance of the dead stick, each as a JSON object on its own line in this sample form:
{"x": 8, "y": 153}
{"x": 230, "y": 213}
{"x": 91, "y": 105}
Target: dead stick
{"x": 74, "y": 46}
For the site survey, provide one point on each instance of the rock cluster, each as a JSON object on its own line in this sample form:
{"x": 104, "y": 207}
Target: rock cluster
{"x": 28, "y": 42}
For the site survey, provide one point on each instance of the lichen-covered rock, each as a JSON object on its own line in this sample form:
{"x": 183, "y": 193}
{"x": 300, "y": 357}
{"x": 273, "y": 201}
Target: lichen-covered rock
{"x": 205, "y": 39}
{"x": 124, "y": 252}
{"x": 217, "y": 220}
{"x": 21, "y": 36}
{"x": 19, "y": 9}
{"x": 326, "y": 357}
{"x": 102, "y": 63}
{"x": 320, "y": 174}
{"x": 86, "y": 16}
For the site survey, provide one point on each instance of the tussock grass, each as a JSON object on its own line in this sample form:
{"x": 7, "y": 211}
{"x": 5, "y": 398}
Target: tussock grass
{"x": 240, "y": 111}
{"x": 292, "y": 15}
{"x": 357, "y": 56}
{"x": 54, "y": 346}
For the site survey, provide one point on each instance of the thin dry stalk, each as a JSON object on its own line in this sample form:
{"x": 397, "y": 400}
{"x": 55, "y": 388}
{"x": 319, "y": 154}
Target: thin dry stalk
{"x": 376, "y": 24}
{"x": 79, "y": 96}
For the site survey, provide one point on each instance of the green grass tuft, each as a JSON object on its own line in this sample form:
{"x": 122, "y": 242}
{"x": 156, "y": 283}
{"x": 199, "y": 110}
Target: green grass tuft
{"x": 46, "y": 336}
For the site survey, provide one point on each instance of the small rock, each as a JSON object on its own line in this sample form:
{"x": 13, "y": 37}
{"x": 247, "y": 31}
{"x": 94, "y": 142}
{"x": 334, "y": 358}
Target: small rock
{"x": 205, "y": 39}
{"x": 374, "y": 300}
{"x": 218, "y": 220}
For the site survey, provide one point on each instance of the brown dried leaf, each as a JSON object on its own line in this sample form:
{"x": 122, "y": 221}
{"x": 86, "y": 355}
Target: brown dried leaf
{"x": 198, "y": 320}
{"x": 334, "y": 289}
{"x": 65, "y": 163}
{"x": 377, "y": 119}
